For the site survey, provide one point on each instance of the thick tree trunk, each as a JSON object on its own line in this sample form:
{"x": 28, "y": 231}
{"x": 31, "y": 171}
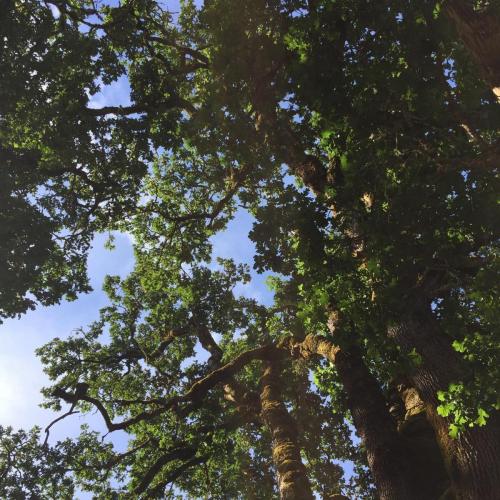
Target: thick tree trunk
{"x": 292, "y": 478}
{"x": 472, "y": 460}
{"x": 388, "y": 458}
{"x": 414, "y": 428}
{"x": 480, "y": 33}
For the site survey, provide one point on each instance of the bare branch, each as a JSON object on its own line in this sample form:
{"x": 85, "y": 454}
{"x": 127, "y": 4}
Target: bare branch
{"x": 67, "y": 414}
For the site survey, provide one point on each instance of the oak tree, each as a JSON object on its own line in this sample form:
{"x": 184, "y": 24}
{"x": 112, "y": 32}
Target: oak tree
{"x": 363, "y": 139}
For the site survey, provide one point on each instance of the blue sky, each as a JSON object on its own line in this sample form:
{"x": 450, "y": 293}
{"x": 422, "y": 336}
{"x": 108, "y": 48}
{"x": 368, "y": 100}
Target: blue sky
{"x": 21, "y": 373}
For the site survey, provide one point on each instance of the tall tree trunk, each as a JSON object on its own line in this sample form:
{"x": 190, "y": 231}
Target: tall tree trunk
{"x": 292, "y": 478}
{"x": 480, "y": 33}
{"x": 388, "y": 457}
{"x": 472, "y": 459}
{"x": 414, "y": 428}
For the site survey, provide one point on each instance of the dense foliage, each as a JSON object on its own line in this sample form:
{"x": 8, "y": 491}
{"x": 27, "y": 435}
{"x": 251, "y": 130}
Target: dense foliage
{"x": 363, "y": 139}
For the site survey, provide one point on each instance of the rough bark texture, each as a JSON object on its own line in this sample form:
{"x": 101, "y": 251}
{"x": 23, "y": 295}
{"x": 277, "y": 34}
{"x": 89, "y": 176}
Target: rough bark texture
{"x": 388, "y": 457}
{"x": 292, "y": 478}
{"x": 280, "y": 133}
{"x": 480, "y": 33}
{"x": 472, "y": 460}
{"x": 415, "y": 430}
{"x": 247, "y": 402}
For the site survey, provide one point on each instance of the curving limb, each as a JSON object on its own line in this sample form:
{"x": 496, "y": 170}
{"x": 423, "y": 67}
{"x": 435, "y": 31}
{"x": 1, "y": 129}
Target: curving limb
{"x": 194, "y": 395}
{"x": 67, "y": 414}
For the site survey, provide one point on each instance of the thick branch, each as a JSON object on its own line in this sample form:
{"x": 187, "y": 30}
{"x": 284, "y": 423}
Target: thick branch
{"x": 175, "y": 474}
{"x": 117, "y": 110}
{"x": 201, "y": 387}
{"x": 313, "y": 345}
{"x": 208, "y": 343}
{"x": 387, "y": 456}
{"x": 292, "y": 477}
{"x": 194, "y": 395}
{"x": 307, "y": 167}
{"x": 247, "y": 402}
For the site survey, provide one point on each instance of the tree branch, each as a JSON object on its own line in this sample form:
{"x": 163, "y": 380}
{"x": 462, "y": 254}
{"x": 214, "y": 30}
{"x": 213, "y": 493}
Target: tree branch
{"x": 194, "y": 53}
{"x": 174, "y": 454}
{"x": 201, "y": 387}
{"x": 175, "y": 474}
{"x": 67, "y": 414}
{"x": 194, "y": 395}
{"x": 174, "y": 102}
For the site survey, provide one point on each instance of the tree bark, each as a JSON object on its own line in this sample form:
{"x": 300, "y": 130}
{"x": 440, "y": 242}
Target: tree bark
{"x": 388, "y": 457}
{"x": 472, "y": 459}
{"x": 480, "y": 33}
{"x": 292, "y": 478}
{"x": 414, "y": 428}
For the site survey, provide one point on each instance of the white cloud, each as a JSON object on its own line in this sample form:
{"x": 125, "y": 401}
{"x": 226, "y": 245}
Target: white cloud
{"x": 115, "y": 94}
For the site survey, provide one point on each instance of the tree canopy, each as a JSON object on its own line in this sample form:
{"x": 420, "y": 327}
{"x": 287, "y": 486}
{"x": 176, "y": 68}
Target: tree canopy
{"x": 363, "y": 139}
